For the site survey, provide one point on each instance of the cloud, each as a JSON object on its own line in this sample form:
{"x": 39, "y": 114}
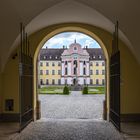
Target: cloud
{"x": 67, "y": 38}
{"x": 92, "y": 43}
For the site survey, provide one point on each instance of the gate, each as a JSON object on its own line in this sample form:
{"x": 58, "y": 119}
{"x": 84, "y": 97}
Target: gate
{"x": 25, "y": 81}
{"x": 115, "y": 81}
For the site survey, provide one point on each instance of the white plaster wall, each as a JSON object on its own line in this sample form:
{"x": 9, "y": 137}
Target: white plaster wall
{"x": 62, "y": 81}
{"x": 80, "y": 81}
{"x": 87, "y": 69}
{"x": 69, "y": 80}
{"x": 88, "y": 80}
{"x": 63, "y": 69}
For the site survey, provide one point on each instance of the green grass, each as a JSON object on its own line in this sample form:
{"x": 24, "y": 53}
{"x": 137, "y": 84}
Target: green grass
{"x": 96, "y": 90}
{"x": 59, "y": 90}
{"x": 51, "y": 90}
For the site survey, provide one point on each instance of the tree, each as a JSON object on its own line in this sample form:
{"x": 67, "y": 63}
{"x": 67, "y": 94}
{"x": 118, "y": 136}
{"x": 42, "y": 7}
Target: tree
{"x": 85, "y": 90}
{"x": 66, "y": 90}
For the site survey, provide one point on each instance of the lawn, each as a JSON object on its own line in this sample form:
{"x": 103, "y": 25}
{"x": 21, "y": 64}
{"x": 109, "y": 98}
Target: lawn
{"x": 51, "y": 90}
{"x": 59, "y": 90}
{"x": 96, "y": 90}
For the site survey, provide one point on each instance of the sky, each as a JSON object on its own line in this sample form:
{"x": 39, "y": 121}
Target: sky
{"x": 66, "y": 38}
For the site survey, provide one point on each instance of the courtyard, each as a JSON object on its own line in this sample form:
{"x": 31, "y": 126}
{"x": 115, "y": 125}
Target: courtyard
{"x": 75, "y": 105}
{"x": 71, "y": 117}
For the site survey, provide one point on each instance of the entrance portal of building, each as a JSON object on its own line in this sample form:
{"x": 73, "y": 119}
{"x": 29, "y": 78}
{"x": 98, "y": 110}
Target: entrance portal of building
{"x": 74, "y": 81}
{"x": 107, "y": 84}
{"x": 75, "y": 71}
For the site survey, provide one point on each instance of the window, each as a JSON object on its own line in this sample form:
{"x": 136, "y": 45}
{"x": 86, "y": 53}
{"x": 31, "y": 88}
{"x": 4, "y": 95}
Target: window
{"x": 47, "y": 64}
{"x": 75, "y": 48}
{"x": 65, "y": 81}
{"x": 91, "y": 72}
{"x": 53, "y": 72}
{"x": 103, "y": 81}
{"x": 84, "y": 62}
{"x": 53, "y": 81}
{"x": 59, "y": 72}
{"x": 90, "y": 63}
{"x": 75, "y": 62}
{"x": 97, "y": 72}
{"x": 84, "y": 81}
{"x": 100, "y": 56}
{"x": 84, "y": 71}
{"x": 103, "y": 72}
{"x": 47, "y": 72}
{"x": 66, "y": 62}
{"x": 41, "y": 63}
{"x": 41, "y": 82}
{"x": 97, "y": 64}
{"x": 59, "y": 82}
{"x": 66, "y": 71}
{"x": 103, "y": 63}
{"x": 97, "y": 82}
{"x": 59, "y": 64}
{"x": 74, "y": 71}
{"x": 53, "y": 64}
{"x": 41, "y": 72}
{"x": 47, "y": 82}
{"x": 91, "y": 81}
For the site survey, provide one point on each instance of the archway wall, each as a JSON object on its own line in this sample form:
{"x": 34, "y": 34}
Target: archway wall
{"x": 130, "y": 68}
{"x": 0, "y": 92}
{"x": 9, "y": 89}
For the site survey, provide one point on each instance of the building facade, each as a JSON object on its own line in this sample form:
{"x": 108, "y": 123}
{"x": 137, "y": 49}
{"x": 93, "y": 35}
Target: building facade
{"x": 75, "y": 65}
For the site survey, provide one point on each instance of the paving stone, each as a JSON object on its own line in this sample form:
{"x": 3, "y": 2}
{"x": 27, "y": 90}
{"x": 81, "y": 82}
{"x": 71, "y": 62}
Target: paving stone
{"x": 70, "y": 129}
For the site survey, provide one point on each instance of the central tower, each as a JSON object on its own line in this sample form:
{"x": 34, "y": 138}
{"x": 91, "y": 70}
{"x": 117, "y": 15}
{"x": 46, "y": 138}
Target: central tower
{"x": 75, "y": 65}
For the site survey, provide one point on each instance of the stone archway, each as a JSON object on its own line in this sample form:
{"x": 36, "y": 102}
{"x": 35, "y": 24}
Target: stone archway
{"x": 65, "y": 29}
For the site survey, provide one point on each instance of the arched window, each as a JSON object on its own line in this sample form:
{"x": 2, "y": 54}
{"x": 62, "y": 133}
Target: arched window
{"x": 84, "y": 81}
{"x": 74, "y": 71}
{"x": 75, "y": 48}
{"x": 66, "y": 62}
{"x": 84, "y": 62}
{"x": 97, "y": 81}
{"x": 84, "y": 71}
{"x": 66, "y": 71}
{"x": 75, "y": 62}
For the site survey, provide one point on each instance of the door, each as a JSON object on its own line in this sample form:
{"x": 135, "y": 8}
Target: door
{"x": 25, "y": 81}
{"x": 115, "y": 81}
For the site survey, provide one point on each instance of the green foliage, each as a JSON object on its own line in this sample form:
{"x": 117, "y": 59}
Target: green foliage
{"x": 66, "y": 90}
{"x": 85, "y": 90}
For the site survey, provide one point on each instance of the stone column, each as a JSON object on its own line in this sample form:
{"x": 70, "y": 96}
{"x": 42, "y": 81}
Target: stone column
{"x": 81, "y": 68}
{"x": 87, "y": 69}
{"x": 69, "y": 68}
{"x": 63, "y": 69}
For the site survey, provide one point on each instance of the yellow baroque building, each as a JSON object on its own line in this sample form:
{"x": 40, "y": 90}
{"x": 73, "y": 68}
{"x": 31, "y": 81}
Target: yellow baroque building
{"x": 54, "y": 67}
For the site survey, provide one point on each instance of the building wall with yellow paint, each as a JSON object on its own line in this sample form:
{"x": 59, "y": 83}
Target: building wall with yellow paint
{"x": 53, "y": 66}
{"x": 43, "y": 76}
{"x": 130, "y": 77}
{"x": 97, "y": 72}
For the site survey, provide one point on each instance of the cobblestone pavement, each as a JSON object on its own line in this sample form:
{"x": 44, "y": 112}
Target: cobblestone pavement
{"x": 70, "y": 129}
{"x": 74, "y": 105}
{"x": 70, "y": 117}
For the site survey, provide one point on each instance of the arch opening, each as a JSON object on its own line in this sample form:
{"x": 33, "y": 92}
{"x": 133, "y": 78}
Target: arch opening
{"x": 80, "y": 30}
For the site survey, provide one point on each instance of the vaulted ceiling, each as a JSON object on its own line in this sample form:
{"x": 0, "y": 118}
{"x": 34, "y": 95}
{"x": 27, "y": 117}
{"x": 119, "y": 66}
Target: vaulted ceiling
{"x": 36, "y": 14}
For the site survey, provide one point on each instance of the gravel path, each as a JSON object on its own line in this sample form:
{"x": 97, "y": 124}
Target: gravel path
{"x": 74, "y": 105}
{"x": 70, "y": 129}
{"x": 70, "y": 117}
